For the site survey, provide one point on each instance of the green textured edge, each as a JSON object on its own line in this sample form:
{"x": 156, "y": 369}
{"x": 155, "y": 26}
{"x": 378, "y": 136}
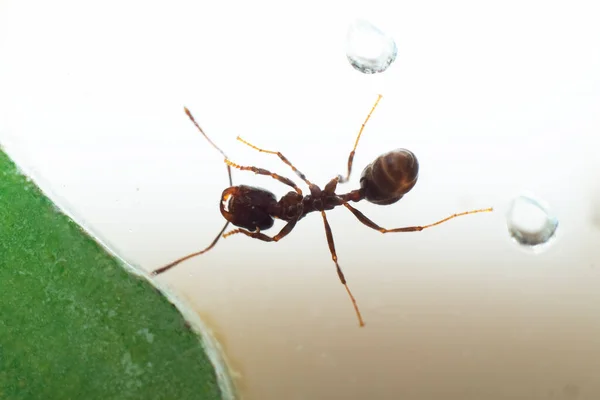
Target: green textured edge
{"x": 74, "y": 324}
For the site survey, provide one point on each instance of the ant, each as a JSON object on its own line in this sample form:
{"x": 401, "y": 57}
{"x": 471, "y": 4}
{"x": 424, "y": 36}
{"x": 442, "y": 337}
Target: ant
{"x": 385, "y": 181}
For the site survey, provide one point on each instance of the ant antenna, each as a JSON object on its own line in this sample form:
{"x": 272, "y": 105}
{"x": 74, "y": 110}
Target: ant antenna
{"x": 214, "y": 242}
{"x": 189, "y": 114}
{"x": 182, "y": 259}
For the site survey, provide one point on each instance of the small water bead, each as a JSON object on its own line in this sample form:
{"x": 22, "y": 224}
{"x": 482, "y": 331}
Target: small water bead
{"x": 530, "y": 222}
{"x": 368, "y": 49}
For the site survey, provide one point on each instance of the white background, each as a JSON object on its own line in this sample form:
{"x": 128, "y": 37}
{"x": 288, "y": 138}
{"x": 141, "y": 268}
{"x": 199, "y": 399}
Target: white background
{"x": 494, "y": 99}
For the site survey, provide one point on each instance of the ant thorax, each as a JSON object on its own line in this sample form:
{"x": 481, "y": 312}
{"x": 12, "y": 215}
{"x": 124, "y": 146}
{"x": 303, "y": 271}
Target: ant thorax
{"x": 290, "y": 207}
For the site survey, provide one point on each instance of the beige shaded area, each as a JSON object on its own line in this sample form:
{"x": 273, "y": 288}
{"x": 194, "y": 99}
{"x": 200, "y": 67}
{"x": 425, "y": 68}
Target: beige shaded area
{"x": 493, "y": 101}
{"x": 445, "y": 326}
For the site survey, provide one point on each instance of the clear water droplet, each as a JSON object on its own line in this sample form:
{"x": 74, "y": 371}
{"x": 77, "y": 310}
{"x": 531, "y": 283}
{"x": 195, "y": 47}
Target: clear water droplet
{"x": 531, "y": 223}
{"x": 368, "y": 49}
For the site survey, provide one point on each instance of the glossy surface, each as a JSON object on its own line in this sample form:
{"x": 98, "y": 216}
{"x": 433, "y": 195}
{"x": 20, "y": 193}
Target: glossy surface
{"x": 369, "y": 49}
{"x": 531, "y": 223}
{"x": 493, "y": 100}
{"x": 390, "y": 176}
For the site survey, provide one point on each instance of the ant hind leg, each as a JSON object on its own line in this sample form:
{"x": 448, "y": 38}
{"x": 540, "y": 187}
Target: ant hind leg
{"x": 351, "y": 156}
{"x": 331, "y": 244}
{"x": 366, "y": 221}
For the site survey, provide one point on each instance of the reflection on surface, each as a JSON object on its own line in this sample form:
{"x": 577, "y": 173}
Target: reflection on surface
{"x": 530, "y": 222}
{"x": 492, "y": 100}
{"x": 368, "y": 49}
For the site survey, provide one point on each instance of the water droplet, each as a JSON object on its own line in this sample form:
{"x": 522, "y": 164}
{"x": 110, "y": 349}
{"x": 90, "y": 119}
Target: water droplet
{"x": 368, "y": 49}
{"x": 530, "y": 222}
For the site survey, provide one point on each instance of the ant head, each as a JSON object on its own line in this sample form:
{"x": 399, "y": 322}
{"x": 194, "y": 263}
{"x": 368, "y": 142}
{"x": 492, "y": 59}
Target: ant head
{"x": 390, "y": 177}
{"x": 248, "y": 207}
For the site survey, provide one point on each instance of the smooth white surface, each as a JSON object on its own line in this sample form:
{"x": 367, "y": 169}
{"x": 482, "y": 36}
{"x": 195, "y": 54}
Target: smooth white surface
{"x": 492, "y": 98}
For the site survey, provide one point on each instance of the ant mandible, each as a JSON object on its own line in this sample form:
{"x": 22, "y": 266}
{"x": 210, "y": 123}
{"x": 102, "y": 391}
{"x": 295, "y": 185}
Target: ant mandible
{"x": 385, "y": 181}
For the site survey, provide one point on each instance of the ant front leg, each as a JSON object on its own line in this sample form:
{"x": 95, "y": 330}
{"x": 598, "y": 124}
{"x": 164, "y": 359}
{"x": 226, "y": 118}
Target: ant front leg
{"x": 362, "y": 218}
{"x": 265, "y": 238}
{"x": 281, "y": 157}
{"x": 262, "y": 171}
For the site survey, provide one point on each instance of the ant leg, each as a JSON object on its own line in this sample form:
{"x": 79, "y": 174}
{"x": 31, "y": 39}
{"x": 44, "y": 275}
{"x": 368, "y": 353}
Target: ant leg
{"x": 362, "y": 218}
{"x": 189, "y": 114}
{"x": 281, "y": 156}
{"x": 351, "y": 157}
{"x": 265, "y": 238}
{"x": 337, "y": 266}
{"x": 261, "y": 171}
{"x": 285, "y": 231}
{"x": 214, "y": 242}
{"x": 174, "y": 263}
{"x": 329, "y": 189}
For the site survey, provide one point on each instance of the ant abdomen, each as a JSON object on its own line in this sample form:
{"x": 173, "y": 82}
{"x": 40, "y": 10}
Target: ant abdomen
{"x": 390, "y": 177}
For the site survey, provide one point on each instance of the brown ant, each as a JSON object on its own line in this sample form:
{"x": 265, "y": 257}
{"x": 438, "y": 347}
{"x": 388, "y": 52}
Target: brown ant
{"x": 385, "y": 181}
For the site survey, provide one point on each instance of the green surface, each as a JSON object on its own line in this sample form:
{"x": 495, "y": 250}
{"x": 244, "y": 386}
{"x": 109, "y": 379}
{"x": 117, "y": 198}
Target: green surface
{"x": 74, "y": 324}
